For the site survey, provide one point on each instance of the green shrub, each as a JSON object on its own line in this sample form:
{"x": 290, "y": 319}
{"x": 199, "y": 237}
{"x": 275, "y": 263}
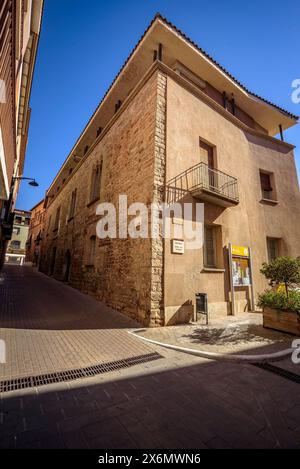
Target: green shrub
{"x": 284, "y": 270}
{"x": 279, "y": 300}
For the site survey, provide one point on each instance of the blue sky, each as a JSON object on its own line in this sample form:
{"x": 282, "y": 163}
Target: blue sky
{"x": 83, "y": 44}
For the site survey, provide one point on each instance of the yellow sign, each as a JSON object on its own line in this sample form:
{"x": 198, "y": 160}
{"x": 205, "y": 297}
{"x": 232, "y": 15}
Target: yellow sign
{"x": 240, "y": 251}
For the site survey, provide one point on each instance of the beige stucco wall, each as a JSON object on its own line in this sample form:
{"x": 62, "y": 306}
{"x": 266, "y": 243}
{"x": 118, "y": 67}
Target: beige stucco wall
{"x": 249, "y": 223}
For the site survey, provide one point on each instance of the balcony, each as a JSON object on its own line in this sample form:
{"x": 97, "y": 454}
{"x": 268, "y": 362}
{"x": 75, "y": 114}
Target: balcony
{"x": 207, "y": 184}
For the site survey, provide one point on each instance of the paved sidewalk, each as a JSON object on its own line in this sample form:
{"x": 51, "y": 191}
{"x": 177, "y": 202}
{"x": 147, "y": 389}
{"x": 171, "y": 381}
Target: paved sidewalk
{"x": 48, "y": 326}
{"x": 242, "y": 334}
{"x": 177, "y": 401}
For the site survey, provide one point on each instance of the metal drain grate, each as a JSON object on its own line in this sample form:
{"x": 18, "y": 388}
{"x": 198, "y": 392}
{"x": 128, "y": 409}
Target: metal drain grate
{"x": 279, "y": 371}
{"x": 60, "y": 376}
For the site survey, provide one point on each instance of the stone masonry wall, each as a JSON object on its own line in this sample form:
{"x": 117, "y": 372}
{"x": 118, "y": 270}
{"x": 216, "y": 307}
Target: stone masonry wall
{"x": 127, "y": 273}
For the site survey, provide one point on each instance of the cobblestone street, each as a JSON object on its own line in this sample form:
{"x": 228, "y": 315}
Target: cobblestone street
{"x": 174, "y": 401}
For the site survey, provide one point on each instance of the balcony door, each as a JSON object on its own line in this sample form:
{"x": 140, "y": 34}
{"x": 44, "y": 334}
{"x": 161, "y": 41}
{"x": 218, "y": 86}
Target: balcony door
{"x": 207, "y": 157}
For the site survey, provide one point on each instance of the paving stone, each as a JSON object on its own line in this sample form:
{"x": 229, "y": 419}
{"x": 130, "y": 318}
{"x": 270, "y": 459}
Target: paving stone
{"x": 180, "y": 401}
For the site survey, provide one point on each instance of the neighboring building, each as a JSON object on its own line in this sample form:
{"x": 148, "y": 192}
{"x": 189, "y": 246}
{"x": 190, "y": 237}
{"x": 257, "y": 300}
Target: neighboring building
{"x": 174, "y": 126}
{"x": 35, "y": 233}
{"x": 19, "y": 32}
{"x": 16, "y": 249}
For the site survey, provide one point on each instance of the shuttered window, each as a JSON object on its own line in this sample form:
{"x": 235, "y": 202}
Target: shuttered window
{"x": 57, "y": 217}
{"x": 96, "y": 182}
{"x": 73, "y": 204}
{"x": 272, "y": 245}
{"x": 209, "y": 246}
{"x": 265, "y": 183}
{"x": 92, "y": 250}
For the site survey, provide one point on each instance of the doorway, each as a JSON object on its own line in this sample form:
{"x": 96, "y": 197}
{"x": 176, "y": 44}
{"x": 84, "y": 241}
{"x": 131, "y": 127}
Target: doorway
{"x": 52, "y": 263}
{"x": 207, "y": 156}
{"x": 67, "y": 266}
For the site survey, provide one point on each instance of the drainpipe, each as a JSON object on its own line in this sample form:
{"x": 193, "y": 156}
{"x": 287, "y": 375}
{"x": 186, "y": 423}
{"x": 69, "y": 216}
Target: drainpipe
{"x": 281, "y": 132}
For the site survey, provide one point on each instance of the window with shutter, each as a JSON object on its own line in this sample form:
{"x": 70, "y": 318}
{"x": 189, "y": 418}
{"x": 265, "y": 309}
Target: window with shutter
{"x": 265, "y": 184}
{"x": 272, "y": 245}
{"x": 92, "y": 250}
{"x": 72, "y": 204}
{"x": 210, "y": 246}
{"x": 96, "y": 181}
{"x": 57, "y": 217}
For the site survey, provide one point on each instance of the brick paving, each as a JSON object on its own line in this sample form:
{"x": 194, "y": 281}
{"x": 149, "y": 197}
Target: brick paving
{"x": 179, "y": 401}
{"x": 48, "y": 326}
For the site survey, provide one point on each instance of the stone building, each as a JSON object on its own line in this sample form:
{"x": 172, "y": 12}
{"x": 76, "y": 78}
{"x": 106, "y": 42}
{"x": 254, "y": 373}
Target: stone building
{"x": 19, "y": 32}
{"x": 175, "y": 126}
{"x": 35, "y": 233}
{"x": 16, "y": 249}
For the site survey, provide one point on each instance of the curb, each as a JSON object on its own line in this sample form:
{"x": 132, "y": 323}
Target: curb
{"x": 220, "y": 356}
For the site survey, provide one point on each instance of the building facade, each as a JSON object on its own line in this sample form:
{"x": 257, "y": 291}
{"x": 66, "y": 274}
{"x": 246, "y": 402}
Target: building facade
{"x": 175, "y": 127}
{"x": 16, "y": 249}
{"x": 20, "y": 27}
{"x": 35, "y": 234}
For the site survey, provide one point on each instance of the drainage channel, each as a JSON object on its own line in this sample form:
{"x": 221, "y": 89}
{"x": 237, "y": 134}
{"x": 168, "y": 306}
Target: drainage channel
{"x": 79, "y": 373}
{"x": 278, "y": 371}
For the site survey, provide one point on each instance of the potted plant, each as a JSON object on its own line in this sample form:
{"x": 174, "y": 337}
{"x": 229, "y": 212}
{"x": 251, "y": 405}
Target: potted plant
{"x": 281, "y": 303}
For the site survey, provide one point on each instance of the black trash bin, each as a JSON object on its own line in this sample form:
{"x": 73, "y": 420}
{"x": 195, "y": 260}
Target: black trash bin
{"x": 201, "y": 305}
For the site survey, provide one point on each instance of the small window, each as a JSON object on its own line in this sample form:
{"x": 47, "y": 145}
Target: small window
{"x": 18, "y": 219}
{"x": 92, "y": 250}
{"x": 96, "y": 182}
{"x": 210, "y": 254}
{"x": 15, "y": 244}
{"x": 273, "y": 248}
{"x": 72, "y": 204}
{"x": 16, "y": 230}
{"x": 267, "y": 189}
{"x": 49, "y": 224}
{"x": 57, "y": 219}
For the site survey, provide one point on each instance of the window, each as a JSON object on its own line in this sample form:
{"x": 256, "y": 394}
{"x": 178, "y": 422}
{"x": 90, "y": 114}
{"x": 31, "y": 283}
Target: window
{"x": 273, "y": 248}
{"x": 95, "y": 183}
{"x": 16, "y": 230}
{"x": 15, "y": 244}
{"x": 72, "y": 204}
{"x": 210, "y": 254}
{"x": 49, "y": 224}
{"x": 18, "y": 219}
{"x": 57, "y": 217}
{"x": 267, "y": 190}
{"x": 27, "y": 221}
{"x": 207, "y": 156}
{"x": 92, "y": 250}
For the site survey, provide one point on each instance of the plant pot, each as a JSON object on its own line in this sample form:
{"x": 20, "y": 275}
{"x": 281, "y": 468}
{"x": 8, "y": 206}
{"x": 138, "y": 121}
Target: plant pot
{"x": 284, "y": 321}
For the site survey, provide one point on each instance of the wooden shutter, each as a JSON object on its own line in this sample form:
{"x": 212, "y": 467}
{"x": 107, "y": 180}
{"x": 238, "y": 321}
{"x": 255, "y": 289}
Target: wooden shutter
{"x": 209, "y": 246}
{"x": 272, "y": 249}
{"x": 265, "y": 182}
{"x": 207, "y": 154}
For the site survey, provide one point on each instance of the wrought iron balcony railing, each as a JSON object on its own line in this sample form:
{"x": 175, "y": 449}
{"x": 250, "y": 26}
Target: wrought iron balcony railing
{"x": 207, "y": 184}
